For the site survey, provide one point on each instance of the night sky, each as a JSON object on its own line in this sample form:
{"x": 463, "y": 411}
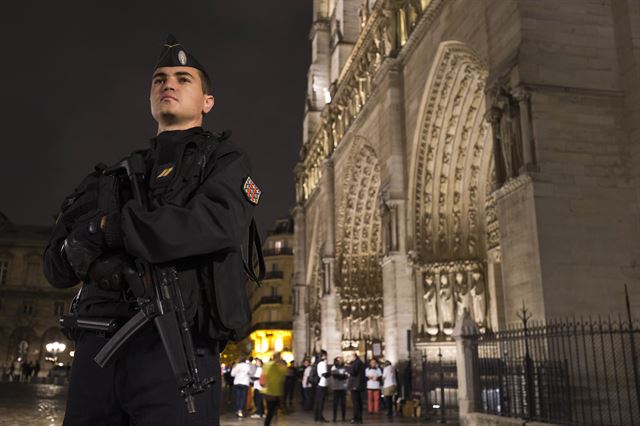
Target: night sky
{"x": 75, "y": 88}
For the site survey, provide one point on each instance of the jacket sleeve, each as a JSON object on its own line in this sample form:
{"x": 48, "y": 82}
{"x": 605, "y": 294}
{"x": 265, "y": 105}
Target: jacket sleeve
{"x": 213, "y": 221}
{"x": 55, "y": 266}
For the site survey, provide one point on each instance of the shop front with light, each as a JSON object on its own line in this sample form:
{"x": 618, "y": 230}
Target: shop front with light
{"x": 267, "y": 342}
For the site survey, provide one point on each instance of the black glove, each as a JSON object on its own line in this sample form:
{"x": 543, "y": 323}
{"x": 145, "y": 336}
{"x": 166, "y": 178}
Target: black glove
{"x": 84, "y": 244}
{"x": 113, "y": 231}
{"x": 111, "y": 271}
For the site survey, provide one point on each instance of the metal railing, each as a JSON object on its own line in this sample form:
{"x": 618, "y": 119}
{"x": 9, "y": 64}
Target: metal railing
{"x": 268, "y": 300}
{"x": 439, "y": 380}
{"x": 574, "y": 372}
{"x": 273, "y": 275}
{"x": 277, "y": 252}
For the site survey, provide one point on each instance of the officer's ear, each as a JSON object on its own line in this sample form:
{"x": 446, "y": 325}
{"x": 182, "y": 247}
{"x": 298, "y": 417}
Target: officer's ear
{"x": 208, "y": 103}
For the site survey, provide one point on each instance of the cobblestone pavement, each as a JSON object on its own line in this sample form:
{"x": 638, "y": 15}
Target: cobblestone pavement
{"x": 24, "y": 404}
{"x": 43, "y": 405}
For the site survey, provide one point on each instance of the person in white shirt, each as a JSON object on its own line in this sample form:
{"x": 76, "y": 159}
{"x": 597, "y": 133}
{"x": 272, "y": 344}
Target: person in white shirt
{"x": 373, "y": 374}
{"x": 257, "y": 390}
{"x": 307, "y": 389}
{"x": 389, "y": 386}
{"x": 241, "y": 379}
{"x": 321, "y": 389}
{"x": 339, "y": 382}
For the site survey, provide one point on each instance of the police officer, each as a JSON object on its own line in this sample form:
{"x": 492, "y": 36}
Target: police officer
{"x": 201, "y": 201}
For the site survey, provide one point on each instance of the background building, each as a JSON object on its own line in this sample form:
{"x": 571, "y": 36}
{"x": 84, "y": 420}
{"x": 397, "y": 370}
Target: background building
{"x": 465, "y": 155}
{"x": 29, "y": 305}
{"x": 271, "y": 303}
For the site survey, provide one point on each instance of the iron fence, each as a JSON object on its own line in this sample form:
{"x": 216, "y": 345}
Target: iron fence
{"x": 438, "y": 384}
{"x": 574, "y": 372}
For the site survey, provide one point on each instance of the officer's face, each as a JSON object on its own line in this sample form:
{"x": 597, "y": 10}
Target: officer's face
{"x": 177, "y": 96}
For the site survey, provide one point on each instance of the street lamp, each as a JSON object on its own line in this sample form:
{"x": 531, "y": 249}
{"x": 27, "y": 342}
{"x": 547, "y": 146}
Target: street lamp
{"x": 55, "y": 348}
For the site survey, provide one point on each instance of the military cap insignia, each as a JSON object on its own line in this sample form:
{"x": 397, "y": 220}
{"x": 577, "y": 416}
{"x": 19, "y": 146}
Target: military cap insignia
{"x": 182, "y": 57}
{"x": 251, "y": 191}
{"x": 166, "y": 172}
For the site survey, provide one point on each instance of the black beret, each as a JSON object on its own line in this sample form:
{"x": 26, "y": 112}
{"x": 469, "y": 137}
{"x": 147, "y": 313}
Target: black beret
{"x": 175, "y": 55}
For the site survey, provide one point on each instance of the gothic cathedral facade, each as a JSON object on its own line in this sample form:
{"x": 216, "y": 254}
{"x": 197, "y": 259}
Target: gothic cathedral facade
{"x": 464, "y": 155}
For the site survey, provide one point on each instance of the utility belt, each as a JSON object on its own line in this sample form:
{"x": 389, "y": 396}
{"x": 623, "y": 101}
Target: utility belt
{"x": 75, "y": 322}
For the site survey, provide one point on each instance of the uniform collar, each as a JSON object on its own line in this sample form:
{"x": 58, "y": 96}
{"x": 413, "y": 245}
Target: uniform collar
{"x": 175, "y": 136}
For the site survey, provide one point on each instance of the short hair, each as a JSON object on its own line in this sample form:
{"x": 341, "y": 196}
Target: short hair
{"x": 206, "y": 82}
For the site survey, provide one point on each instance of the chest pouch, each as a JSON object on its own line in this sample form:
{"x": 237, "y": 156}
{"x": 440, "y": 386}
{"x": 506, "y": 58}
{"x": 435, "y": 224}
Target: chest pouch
{"x": 167, "y": 163}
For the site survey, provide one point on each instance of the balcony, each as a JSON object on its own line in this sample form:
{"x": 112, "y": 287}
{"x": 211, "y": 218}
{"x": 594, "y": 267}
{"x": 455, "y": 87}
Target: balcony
{"x": 274, "y": 275}
{"x": 268, "y": 300}
{"x": 282, "y": 251}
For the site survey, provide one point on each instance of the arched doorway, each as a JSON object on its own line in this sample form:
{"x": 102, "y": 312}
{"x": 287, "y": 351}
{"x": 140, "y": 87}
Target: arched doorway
{"x": 22, "y": 343}
{"x": 359, "y": 275}
{"x": 452, "y": 214}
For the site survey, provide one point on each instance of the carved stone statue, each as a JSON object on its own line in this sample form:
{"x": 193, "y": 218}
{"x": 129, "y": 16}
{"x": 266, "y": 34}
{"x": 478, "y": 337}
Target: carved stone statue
{"x": 346, "y": 328}
{"x": 462, "y": 296}
{"x": 504, "y": 116}
{"x": 446, "y": 311}
{"x": 478, "y": 295}
{"x": 430, "y": 298}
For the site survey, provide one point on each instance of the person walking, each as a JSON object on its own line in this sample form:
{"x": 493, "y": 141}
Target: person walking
{"x": 241, "y": 380}
{"x": 289, "y": 386}
{"x": 274, "y": 376}
{"x": 321, "y": 389}
{"x": 36, "y": 370}
{"x": 257, "y": 390}
{"x": 339, "y": 382}
{"x": 389, "y": 386}
{"x": 373, "y": 374}
{"x": 307, "y": 387}
{"x": 356, "y": 386}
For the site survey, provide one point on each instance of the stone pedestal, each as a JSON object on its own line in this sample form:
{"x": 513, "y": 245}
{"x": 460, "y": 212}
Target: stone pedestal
{"x": 466, "y": 336}
{"x": 331, "y": 339}
{"x": 399, "y": 302}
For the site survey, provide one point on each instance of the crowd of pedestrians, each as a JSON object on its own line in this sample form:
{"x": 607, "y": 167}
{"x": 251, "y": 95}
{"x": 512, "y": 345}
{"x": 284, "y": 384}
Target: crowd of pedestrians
{"x": 260, "y": 390}
{"x": 22, "y": 371}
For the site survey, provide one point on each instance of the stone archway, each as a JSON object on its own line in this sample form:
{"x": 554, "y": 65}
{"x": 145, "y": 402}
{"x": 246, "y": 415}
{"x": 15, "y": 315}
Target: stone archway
{"x": 452, "y": 212}
{"x": 22, "y": 342}
{"x": 359, "y": 275}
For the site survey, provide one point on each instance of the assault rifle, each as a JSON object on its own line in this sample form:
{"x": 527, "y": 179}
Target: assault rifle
{"x": 159, "y": 300}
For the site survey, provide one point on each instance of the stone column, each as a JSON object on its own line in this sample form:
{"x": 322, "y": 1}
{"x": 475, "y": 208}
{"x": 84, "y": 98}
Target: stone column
{"x": 494, "y": 289}
{"x": 398, "y": 286}
{"x": 522, "y": 95}
{"x": 300, "y": 315}
{"x": 466, "y": 334}
{"x": 331, "y": 330}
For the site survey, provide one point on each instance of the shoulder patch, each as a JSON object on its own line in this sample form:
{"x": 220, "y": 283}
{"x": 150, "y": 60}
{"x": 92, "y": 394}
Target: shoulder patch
{"x": 251, "y": 191}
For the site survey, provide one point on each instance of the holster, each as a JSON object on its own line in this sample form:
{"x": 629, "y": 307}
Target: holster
{"x": 71, "y": 325}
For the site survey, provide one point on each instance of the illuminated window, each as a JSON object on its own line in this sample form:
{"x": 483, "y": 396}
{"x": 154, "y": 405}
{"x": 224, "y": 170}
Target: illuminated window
{"x": 4, "y": 272}
{"x": 278, "y": 244}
